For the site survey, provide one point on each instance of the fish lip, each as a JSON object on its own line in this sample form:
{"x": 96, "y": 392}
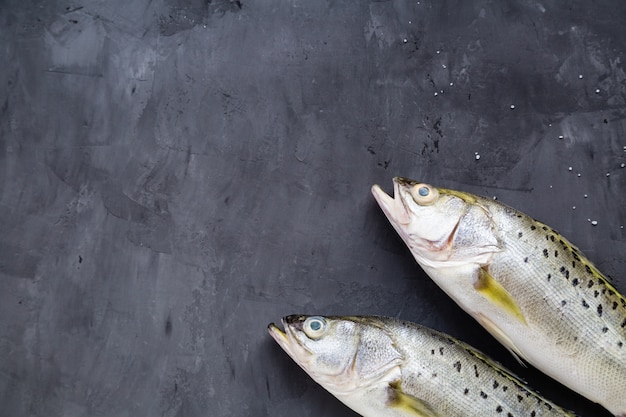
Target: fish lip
{"x": 285, "y": 339}
{"x": 277, "y": 334}
{"x": 393, "y": 207}
{"x": 407, "y": 182}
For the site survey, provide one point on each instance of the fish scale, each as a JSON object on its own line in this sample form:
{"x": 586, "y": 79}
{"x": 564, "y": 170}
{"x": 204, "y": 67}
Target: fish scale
{"x": 418, "y": 371}
{"x": 463, "y": 373}
{"x": 525, "y": 283}
{"x": 549, "y": 268}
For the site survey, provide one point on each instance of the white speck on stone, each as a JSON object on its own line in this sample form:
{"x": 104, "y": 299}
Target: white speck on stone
{"x": 560, "y": 136}
{"x": 594, "y": 223}
{"x": 550, "y": 186}
{"x": 512, "y": 106}
{"x": 585, "y": 196}
{"x": 580, "y": 77}
{"x": 495, "y": 197}
{"x": 443, "y": 66}
{"x": 451, "y": 84}
{"x": 569, "y": 168}
{"x": 477, "y": 157}
{"x": 409, "y": 22}
{"x": 436, "y": 94}
{"x": 597, "y": 91}
{"x": 622, "y": 165}
{"x": 608, "y": 174}
{"x": 578, "y": 175}
{"x": 405, "y": 40}
{"x": 438, "y": 52}
{"x": 573, "y": 207}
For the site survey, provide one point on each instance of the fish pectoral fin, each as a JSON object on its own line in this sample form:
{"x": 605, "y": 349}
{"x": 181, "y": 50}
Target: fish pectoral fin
{"x": 496, "y": 294}
{"x": 409, "y": 404}
{"x": 500, "y": 336}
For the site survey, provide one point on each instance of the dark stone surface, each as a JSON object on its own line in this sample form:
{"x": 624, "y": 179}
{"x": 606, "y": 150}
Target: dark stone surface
{"x": 174, "y": 175}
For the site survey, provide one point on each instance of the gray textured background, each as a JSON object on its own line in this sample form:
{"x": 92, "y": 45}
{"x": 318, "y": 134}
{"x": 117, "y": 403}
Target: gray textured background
{"x": 174, "y": 175}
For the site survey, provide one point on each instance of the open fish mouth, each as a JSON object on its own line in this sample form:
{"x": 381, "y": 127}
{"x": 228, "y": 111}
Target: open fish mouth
{"x": 291, "y": 345}
{"x": 277, "y": 334}
{"x": 393, "y": 207}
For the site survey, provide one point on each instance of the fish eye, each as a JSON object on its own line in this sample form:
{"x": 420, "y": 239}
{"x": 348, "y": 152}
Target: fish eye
{"x": 424, "y": 194}
{"x": 314, "y": 327}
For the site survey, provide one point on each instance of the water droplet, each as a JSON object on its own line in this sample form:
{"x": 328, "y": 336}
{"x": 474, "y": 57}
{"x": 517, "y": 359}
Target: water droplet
{"x": 573, "y": 207}
{"x": 578, "y": 175}
{"x": 451, "y": 84}
{"x": 608, "y": 174}
{"x": 404, "y": 40}
{"x": 443, "y": 66}
{"x": 580, "y": 77}
{"x": 560, "y": 136}
{"x": 622, "y": 165}
{"x": 512, "y": 106}
{"x": 436, "y": 94}
{"x": 594, "y": 223}
{"x": 569, "y": 168}
{"x": 585, "y": 196}
{"x": 597, "y": 91}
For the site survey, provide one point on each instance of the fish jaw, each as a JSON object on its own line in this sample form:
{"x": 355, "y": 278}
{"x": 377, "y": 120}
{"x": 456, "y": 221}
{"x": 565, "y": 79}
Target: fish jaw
{"x": 300, "y": 354}
{"x": 393, "y": 207}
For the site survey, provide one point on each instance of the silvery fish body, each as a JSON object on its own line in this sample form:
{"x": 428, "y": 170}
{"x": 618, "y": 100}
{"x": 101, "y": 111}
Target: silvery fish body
{"x": 383, "y": 367}
{"x": 527, "y": 285}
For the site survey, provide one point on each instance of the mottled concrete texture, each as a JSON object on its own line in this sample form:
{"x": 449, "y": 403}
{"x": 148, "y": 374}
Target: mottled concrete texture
{"x": 174, "y": 175}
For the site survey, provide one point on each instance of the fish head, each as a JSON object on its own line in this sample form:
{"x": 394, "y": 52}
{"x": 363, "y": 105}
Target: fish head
{"x": 344, "y": 355}
{"x": 441, "y": 227}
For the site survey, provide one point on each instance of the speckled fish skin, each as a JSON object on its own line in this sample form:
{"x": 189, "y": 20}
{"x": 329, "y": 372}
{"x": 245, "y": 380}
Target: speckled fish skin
{"x": 384, "y": 367}
{"x": 527, "y": 285}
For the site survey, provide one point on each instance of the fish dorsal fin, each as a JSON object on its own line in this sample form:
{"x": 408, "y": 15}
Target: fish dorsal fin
{"x": 410, "y": 405}
{"x": 496, "y": 294}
